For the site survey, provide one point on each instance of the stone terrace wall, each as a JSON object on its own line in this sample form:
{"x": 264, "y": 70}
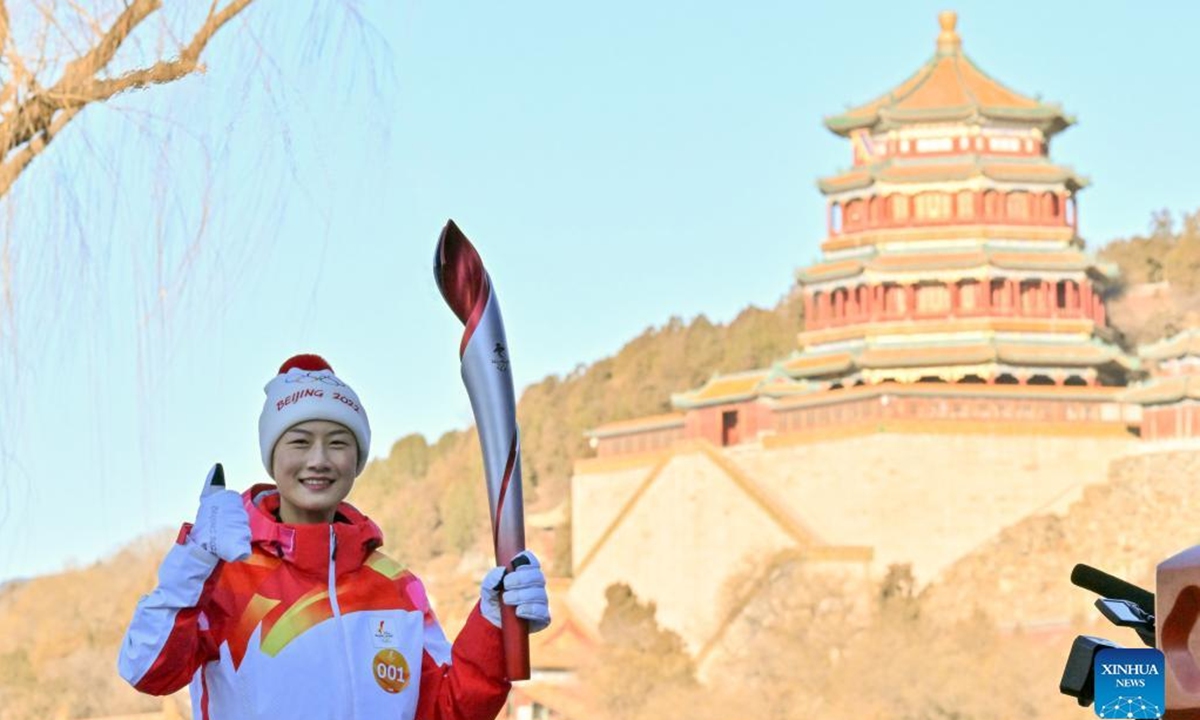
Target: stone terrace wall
{"x": 924, "y": 498}
{"x": 1146, "y": 513}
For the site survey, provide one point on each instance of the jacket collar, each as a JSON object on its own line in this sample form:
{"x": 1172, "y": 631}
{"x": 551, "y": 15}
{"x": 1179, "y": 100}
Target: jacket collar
{"x": 307, "y": 546}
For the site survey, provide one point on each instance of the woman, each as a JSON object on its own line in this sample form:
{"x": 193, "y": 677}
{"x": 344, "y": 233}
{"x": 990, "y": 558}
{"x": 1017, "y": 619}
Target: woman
{"x": 277, "y": 602}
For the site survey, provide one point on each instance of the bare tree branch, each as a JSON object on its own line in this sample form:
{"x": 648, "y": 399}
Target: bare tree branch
{"x": 32, "y": 116}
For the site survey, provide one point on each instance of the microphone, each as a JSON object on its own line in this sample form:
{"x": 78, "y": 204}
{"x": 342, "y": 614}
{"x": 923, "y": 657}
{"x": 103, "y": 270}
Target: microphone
{"x": 1109, "y": 586}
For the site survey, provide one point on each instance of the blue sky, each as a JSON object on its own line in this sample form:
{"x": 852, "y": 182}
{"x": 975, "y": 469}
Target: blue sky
{"x": 615, "y": 164}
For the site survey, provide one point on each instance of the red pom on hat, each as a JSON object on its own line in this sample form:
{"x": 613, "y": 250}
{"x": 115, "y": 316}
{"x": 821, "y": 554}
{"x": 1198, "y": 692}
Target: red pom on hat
{"x": 305, "y": 362}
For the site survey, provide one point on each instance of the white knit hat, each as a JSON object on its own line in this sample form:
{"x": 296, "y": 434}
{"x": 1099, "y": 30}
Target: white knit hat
{"x": 306, "y": 389}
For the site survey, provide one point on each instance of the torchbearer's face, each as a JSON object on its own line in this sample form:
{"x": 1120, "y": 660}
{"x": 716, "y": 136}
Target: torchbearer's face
{"x": 314, "y": 465}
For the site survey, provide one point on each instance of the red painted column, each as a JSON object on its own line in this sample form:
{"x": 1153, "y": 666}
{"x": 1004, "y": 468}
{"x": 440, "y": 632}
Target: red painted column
{"x": 808, "y": 310}
{"x": 953, "y": 289}
{"x": 1010, "y": 287}
{"x": 1085, "y": 300}
{"x": 910, "y": 301}
{"x": 1044, "y": 308}
{"x": 823, "y": 309}
{"x": 839, "y": 307}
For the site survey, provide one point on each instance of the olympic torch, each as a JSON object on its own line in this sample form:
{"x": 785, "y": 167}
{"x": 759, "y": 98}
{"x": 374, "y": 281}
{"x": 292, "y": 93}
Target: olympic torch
{"x": 467, "y": 289}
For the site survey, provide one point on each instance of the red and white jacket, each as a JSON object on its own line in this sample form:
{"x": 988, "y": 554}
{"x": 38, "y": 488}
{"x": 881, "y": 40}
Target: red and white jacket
{"x": 316, "y": 623}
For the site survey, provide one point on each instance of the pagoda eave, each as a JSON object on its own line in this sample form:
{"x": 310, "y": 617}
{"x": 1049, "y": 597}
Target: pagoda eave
{"x": 918, "y": 234}
{"x": 1093, "y": 393}
{"x": 949, "y": 268}
{"x": 1179, "y": 346}
{"x": 1053, "y": 327}
{"x": 1048, "y": 118}
{"x": 1164, "y": 391}
{"x": 958, "y": 169}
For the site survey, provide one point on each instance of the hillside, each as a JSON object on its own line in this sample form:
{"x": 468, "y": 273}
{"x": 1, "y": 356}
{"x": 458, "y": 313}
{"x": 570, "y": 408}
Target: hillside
{"x": 62, "y": 631}
{"x": 1159, "y": 286}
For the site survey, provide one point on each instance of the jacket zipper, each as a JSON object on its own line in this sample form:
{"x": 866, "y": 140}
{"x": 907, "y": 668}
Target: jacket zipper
{"x": 337, "y": 618}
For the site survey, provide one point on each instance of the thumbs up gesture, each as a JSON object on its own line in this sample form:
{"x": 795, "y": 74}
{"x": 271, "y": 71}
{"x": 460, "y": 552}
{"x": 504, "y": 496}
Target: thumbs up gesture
{"x": 222, "y": 526}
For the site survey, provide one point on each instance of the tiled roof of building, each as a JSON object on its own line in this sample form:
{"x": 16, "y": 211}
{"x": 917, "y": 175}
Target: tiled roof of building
{"x": 641, "y": 424}
{"x": 1092, "y": 393}
{"x": 1054, "y": 258}
{"x": 949, "y": 87}
{"x": 813, "y": 365}
{"x": 1164, "y": 390}
{"x": 927, "y": 355}
{"x": 1065, "y": 351}
{"x": 1179, "y": 345}
{"x": 961, "y": 168}
{"x": 735, "y": 387}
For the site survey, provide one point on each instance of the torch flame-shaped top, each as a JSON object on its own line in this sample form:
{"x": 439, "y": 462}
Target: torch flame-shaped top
{"x": 461, "y": 278}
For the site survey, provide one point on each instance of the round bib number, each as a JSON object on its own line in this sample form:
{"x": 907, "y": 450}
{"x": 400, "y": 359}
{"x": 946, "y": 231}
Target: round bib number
{"x": 390, "y": 670}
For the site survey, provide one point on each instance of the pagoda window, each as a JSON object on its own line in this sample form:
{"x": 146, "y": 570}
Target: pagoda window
{"x": 839, "y": 304}
{"x": 1050, "y": 206}
{"x": 991, "y": 205}
{"x": 972, "y": 380}
{"x": 1029, "y": 299}
{"x": 1041, "y": 380}
{"x": 933, "y": 206}
{"x": 933, "y": 299}
{"x": 1017, "y": 206}
{"x": 968, "y": 291}
{"x": 899, "y": 207}
{"x": 875, "y": 211}
{"x": 965, "y": 205}
{"x": 999, "y": 293}
{"x": 935, "y": 145}
{"x": 1007, "y": 379}
{"x": 854, "y": 215}
{"x": 1075, "y": 381}
{"x": 835, "y": 218}
{"x": 1061, "y": 293}
{"x": 1004, "y": 144}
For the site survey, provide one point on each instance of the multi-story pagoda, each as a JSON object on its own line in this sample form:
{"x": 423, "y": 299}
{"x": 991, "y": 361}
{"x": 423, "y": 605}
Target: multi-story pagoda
{"x": 953, "y": 284}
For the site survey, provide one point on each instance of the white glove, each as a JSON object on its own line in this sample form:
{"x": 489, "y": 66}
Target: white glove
{"x": 524, "y": 588}
{"x": 222, "y": 527}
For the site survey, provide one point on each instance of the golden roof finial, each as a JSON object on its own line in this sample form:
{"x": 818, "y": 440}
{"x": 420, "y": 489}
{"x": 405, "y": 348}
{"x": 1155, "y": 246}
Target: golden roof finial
{"x": 948, "y": 40}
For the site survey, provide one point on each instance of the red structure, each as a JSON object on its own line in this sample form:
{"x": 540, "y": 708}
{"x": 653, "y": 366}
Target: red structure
{"x": 1170, "y": 397}
{"x": 953, "y": 285}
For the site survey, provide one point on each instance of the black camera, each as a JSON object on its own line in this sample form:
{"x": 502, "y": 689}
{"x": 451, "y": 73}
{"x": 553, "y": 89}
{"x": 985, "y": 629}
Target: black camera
{"x": 1124, "y": 605}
